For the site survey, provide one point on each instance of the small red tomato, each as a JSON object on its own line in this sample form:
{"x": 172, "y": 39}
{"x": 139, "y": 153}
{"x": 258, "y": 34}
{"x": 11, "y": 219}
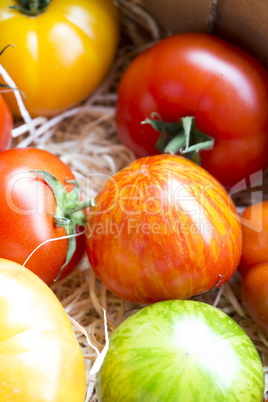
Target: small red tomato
{"x": 199, "y": 75}
{"x": 163, "y": 228}
{"x": 255, "y": 236}
{"x": 254, "y": 292}
{"x": 6, "y": 125}
{"x": 33, "y": 211}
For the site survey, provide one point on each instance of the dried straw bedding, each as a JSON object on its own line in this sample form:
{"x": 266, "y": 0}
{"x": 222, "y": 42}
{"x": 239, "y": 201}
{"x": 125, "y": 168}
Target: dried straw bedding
{"x": 85, "y": 138}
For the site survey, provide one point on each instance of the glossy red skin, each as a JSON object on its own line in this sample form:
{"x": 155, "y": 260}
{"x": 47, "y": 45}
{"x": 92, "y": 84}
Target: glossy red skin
{"x": 199, "y": 75}
{"x": 254, "y": 291}
{"x": 26, "y": 207}
{"x": 133, "y": 247}
{"x": 6, "y": 125}
{"x": 255, "y": 236}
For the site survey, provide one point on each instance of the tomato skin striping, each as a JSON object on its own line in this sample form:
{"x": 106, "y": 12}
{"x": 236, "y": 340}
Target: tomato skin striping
{"x": 180, "y": 350}
{"x": 163, "y": 228}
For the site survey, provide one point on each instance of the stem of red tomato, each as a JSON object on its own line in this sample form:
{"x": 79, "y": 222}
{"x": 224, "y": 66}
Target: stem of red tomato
{"x": 69, "y": 211}
{"x": 180, "y": 137}
{"x": 32, "y": 7}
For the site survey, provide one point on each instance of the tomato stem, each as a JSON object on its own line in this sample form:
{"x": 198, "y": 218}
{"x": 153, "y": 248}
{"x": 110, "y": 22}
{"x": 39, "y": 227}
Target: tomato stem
{"x": 31, "y": 7}
{"x": 182, "y": 136}
{"x": 69, "y": 211}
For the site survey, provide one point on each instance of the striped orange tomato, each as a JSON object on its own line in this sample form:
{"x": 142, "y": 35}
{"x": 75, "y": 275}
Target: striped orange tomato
{"x": 163, "y": 228}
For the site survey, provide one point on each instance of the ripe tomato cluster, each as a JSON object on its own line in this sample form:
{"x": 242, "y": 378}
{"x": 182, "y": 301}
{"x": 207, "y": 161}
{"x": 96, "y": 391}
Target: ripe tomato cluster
{"x": 39, "y": 205}
{"x": 54, "y": 53}
{"x": 207, "y": 100}
{"x": 194, "y": 110}
{"x": 164, "y": 228}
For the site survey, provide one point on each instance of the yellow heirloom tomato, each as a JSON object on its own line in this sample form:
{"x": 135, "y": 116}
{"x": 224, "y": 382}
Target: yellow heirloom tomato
{"x": 62, "y": 50}
{"x": 40, "y": 358}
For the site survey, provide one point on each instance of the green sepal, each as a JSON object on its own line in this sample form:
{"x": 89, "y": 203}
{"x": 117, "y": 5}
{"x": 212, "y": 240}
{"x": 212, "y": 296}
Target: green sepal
{"x": 165, "y": 129}
{"x": 70, "y": 230}
{"x": 31, "y": 7}
{"x": 170, "y": 128}
{"x": 69, "y": 211}
{"x": 180, "y": 137}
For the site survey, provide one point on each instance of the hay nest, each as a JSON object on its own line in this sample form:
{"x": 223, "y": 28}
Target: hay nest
{"x": 85, "y": 138}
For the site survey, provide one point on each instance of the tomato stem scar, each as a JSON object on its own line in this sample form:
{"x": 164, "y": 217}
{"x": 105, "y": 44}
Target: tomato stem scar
{"x": 31, "y": 7}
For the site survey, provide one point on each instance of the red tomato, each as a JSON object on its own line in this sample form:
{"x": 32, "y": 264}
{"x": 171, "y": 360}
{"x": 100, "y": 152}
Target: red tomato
{"x": 27, "y": 205}
{"x": 163, "y": 228}
{"x": 6, "y": 125}
{"x": 255, "y": 236}
{"x": 41, "y": 359}
{"x": 254, "y": 292}
{"x": 199, "y": 75}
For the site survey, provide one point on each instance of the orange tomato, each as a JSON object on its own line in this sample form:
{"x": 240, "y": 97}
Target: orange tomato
{"x": 255, "y": 236}
{"x": 163, "y": 228}
{"x": 254, "y": 263}
{"x": 41, "y": 359}
{"x": 254, "y": 291}
{"x": 6, "y": 125}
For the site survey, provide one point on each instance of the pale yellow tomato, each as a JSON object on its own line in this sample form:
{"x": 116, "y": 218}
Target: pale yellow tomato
{"x": 60, "y": 55}
{"x": 40, "y": 358}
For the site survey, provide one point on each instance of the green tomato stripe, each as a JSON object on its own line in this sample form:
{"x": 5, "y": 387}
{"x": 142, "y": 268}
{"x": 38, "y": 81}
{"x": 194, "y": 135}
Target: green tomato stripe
{"x": 180, "y": 351}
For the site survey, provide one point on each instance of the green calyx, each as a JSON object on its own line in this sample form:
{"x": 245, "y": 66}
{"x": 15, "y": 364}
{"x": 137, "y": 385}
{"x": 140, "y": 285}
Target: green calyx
{"x": 31, "y": 7}
{"x": 180, "y": 137}
{"x": 69, "y": 212}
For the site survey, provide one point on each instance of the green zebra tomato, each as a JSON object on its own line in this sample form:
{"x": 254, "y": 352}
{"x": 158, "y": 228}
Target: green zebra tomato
{"x": 180, "y": 350}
